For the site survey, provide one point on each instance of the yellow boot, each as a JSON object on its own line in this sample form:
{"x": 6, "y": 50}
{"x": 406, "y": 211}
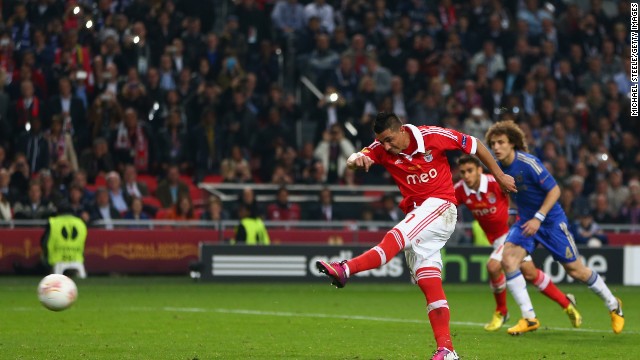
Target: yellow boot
{"x": 496, "y": 321}
{"x": 523, "y": 326}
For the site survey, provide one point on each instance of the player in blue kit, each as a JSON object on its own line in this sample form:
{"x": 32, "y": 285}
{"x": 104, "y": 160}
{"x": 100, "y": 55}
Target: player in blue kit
{"x": 542, "y": 221}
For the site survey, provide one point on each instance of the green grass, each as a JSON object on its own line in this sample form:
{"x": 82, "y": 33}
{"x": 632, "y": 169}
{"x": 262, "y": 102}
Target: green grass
{"x": 174, "y": 318}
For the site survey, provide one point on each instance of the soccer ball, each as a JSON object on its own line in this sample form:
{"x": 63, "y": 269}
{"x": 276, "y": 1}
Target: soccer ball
{"x": 57, "y": 292}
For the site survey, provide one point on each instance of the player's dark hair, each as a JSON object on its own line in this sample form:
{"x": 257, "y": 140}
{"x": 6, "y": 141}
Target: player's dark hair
{"x": 513, "y": 132}
{"x": 466, "y": 159}
{"x": 386, "y": 121}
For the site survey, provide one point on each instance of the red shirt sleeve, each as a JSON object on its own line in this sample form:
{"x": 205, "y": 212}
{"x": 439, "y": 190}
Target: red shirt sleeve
{"x": 449, "y": 139}
{"x": 373, "y": 151}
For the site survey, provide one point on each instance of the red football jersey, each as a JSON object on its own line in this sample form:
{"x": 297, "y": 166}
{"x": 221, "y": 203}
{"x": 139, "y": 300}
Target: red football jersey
{"x": 425, "y": 173}
{"x": 489, "y": 205}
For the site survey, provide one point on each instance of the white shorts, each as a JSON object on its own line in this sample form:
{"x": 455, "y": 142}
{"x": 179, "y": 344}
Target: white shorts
{"x": 498, "y": 247}
{"x": 425, "y": 231}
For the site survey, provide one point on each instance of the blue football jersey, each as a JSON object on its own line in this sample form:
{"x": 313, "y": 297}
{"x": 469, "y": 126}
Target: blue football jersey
{"x": 533, "y": 181}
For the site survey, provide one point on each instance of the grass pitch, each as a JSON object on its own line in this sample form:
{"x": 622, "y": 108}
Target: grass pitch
{"x": 175, "y": 318}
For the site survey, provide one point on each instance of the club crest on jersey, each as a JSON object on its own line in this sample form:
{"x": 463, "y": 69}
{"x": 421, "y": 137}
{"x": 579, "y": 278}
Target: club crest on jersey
{"x": 427, "y": 156}
{"x": 491, "y": 197}
{"x": 469, "y": 201}
{"x": 399, "y": 161}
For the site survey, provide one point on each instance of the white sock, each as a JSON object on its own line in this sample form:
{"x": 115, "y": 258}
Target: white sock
{"x": 597, "y": 285}
{"x": 517, "y": 286}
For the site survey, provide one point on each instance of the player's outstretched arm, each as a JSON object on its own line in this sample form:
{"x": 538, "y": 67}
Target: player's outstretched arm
{"x": 359, "y": 161}
{"x": 506, "y": 181}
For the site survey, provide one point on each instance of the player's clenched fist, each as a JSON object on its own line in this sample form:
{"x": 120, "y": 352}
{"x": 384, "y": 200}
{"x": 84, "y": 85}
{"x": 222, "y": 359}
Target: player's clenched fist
{"x": 359, "y": 161}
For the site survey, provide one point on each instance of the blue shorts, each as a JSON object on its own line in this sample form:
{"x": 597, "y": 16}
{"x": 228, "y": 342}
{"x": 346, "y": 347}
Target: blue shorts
{"x": 553, "y": 235}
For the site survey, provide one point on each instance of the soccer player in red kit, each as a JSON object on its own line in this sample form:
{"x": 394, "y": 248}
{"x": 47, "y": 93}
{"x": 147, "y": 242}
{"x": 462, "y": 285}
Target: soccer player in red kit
{"x": 490, "y": 206}
{"x": 416, "y": 159}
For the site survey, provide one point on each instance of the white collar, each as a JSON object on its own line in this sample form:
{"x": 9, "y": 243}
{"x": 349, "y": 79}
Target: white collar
{"x": 418, "y": 136}
{"x": 483, "y": 188}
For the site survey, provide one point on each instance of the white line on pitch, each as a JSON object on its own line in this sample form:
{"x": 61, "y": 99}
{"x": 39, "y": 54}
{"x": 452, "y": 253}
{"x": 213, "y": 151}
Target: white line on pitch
{"x": 354, "y": 317}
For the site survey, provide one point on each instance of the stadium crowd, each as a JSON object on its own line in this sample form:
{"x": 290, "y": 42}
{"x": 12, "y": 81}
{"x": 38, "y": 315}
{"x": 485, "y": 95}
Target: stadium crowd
{"x": 117, "y": 108}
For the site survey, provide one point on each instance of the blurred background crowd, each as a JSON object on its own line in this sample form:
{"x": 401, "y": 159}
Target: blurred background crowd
{"x": 119, "y": 108}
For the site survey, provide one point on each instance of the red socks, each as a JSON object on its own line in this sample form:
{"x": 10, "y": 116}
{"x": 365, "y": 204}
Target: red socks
{"x": 379, "y": 255}
{"x": 430, "y": 283}
{"x": 547, "y": 287}
{"x": 499, "y": 287}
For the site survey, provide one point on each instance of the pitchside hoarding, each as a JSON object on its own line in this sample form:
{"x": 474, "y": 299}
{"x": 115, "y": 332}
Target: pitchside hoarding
{"x": 297, "y": 263}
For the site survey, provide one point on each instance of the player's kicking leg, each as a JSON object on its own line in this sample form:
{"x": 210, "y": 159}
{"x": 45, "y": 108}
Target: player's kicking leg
{"x": 543, "y": 282}
{"x": 512, "y": 257}
{"x": 579, "y": 271}
{"x": 392, "y": 243}
{"x": 424, "y": 232}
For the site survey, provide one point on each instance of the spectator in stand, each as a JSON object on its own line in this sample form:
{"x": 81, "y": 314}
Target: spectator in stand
{"x": 326, "y": 209}
{"x": 323, "y": 11}
{"x": 206, "y": 143}
{"x": 63, "y": 176}
{"x": 76, "y": 203}
{"x": 469, "y": 96}
{"x": 80, "y": 179}
{"x": 131, "y": 187}
{"x": 400, "y": 103}
{"x": 489, "y": 57}
{"x": 60, "y": 143}
{"x": 389, "y": 210}
{"x": 104, "y": 115}
{"x": 134, "y": 95}
{"x": 171, "y": 188}
{"x": 5, "y": 207}
{"x": 477, "y": 123}
{"x": 630, "y": 212}
{"x": 381, "y": 76}
{"x": 33, "y": 206}
{"x": 288, "y": 18}
{"x": 344, "y": 79}
{"x": 576, "y": 184}
{"x": 235, "y": 169}
{"x": 97, "y": 161}
{"x": 321, "y": 61}
{"x": 248, "y": 198}
{"x": 282, "y": 209}
{"x": 137, "y": 49}
{"x": 133, "y": 142}
{"x": 102, "y": 209}
{"x": 26, "y": 107}
{"x": 238, "y": 124}
{"x": 617, "y": 192}
{"x": 330, "y": 109}
{"x": 333, "y": 151}
{"x": 173, "y": 142}
{"x": 280, "y": 176}
{"x": 271, "y": 143}
{"x": 588, "y": 232}
{"x": 117, "y": 196}
{"x": 215, "y": 210}
{"x": 182, "y": 209}
{"x": 601, "y": 210}
{"x": 33, "y": 143}
{"x": 50, "y": 194}
{"x": 71, "y": 111}
{"x": 9, "y": 193}
{"x": 137, "y": 211}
